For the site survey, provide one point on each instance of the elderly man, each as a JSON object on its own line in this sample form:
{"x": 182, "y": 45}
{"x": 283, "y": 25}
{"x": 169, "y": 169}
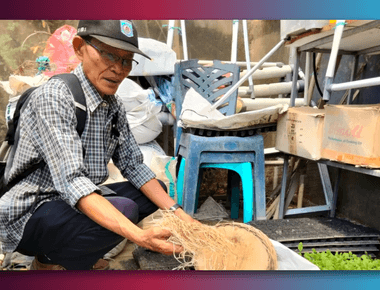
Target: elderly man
{"x": 59, "y": 213}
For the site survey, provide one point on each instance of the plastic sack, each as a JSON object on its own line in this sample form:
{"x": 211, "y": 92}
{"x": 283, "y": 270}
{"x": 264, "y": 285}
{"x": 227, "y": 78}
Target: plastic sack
{"x": 132, "y": 94}
{"x": 19, "y": 84}
{"x": 6, "y": 86}
{"x": 16, "y": 86}
{"x": 59, "y": 49}
{"x": 143, "y": 121}
{"x": 141, "y": 112}
{"x": 162, "y": 61}
{"x": 290, "y": 260}
{"x": 197, "y": 112}
{"x": 10, "y": 108}
{"x": 162, "y": 165}
{"x": 149, "y": 150}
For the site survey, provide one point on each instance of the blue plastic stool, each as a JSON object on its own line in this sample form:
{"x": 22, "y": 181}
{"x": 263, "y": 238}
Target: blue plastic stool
{"x": 200, "y": 152}
{"x": 217, "y": 149}
{"x": 244, "y": 170}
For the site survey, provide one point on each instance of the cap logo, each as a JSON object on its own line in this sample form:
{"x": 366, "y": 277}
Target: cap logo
{"x": 126, "y": 28}
{"x": 82, "y": 29}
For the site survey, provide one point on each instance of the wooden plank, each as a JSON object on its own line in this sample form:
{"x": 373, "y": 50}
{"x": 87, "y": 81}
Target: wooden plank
{"x": 357, "y": 36}
{"x": 326, "y": 40}
{"x": 357, "y": 42}
{"x": 316, "y": 34}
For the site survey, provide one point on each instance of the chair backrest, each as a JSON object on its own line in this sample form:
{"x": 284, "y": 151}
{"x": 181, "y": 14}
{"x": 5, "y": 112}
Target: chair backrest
{"x": 211, "y": 82}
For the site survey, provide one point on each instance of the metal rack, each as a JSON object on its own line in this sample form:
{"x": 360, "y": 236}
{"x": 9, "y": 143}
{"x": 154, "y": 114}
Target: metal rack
{"x": 362, "y": 37}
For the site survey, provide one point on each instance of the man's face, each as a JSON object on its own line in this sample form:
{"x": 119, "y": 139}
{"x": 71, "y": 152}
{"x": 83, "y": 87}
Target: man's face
{"x": 105, "y": 66}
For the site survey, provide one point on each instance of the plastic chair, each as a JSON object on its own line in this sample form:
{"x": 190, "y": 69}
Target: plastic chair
{"x": 217, "y": 151}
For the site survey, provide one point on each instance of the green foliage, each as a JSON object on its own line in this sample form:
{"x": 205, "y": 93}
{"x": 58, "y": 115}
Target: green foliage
{"x": 12, "y": 25}
{"x": 340, "y": 261}
{"x": 9, "y": 53}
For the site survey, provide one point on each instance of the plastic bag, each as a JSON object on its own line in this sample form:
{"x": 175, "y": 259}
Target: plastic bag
{"x": 164, "y": 167}
{"x": 59, "y": 49}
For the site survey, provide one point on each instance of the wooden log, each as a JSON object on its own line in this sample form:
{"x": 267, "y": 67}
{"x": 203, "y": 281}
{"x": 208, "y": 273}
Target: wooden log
{"x": 266, "y": 90}
{"x": 275, "y": 192}
{"x": 261, "y": 103}
{"x": 301, "y": 191}
{"x": 294, "y": 181}
{"x": 275, "y": 176}
{"x": 269, "y": 72}
{"x": 272, "y": 208}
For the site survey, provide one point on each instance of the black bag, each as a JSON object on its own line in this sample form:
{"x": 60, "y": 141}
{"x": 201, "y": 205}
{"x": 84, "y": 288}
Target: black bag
{"x": 11, "y": 140}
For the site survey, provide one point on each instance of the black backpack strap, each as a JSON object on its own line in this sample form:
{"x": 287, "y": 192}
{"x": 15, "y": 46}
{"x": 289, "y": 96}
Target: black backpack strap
{"x": 75, "y": 87}
{"x": 12, "y": 125}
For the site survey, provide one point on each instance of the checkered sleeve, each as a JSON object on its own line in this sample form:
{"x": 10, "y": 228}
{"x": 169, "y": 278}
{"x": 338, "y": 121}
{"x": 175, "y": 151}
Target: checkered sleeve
{"x": 55, "y": 138}
{"x": 128, "y": 156}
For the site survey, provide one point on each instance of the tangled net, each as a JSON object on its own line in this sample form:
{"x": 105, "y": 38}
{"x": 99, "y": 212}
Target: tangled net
{"x": 225, "y": 246}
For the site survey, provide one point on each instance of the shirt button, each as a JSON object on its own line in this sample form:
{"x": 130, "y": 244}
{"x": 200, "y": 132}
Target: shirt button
{"x": 104, "y": 105}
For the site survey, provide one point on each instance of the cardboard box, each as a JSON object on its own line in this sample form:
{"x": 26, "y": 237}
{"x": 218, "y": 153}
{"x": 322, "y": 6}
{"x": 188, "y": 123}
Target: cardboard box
{"x": 299, "y": 132}
{"x": 351, "y": 134}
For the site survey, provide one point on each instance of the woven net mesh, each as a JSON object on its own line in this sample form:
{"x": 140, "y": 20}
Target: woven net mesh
{"x": 225, "y": 246}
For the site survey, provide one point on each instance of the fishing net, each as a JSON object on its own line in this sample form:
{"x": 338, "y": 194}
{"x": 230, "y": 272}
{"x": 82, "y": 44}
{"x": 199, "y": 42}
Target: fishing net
{"x": 225, "y": 246}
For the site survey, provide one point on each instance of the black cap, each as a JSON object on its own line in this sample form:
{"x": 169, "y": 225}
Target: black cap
{"x": 121, "y": 34}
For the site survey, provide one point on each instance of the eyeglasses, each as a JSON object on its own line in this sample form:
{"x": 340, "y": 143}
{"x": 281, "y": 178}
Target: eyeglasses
{"x": 112, "y": 58}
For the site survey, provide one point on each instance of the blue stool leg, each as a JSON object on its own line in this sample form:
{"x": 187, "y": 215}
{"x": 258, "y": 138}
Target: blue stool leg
{"x": 248, "y": 191}
{"x": 190, "y": 183}
{"x": 180, "y": 181}
{"x": 181, "y": 174}
{"x": 233, "y": 184}
{"x": 259, "y": 175}
{"x": 198, "y": 188}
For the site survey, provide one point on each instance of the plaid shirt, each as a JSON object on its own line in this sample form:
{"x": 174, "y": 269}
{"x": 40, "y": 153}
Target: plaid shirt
{"x": 48, "y": 132}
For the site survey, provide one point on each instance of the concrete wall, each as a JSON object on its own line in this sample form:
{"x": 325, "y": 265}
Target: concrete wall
{"x": 212, "y": 39}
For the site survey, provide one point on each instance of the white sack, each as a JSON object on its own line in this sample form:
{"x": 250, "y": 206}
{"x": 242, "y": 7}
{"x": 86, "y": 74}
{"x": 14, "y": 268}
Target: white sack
{"x": 196, "y": 113}
{"x": 5, "y": 85}
{"x": 149, "y": 150}
{"x": 290, "y": 260}
{"x": 144, "y": 123}
{"x": 141, "y": 112}
{"x": 19, "y": 84}
{"x": 131, "y": 94}
{"x": 162, "y": 62}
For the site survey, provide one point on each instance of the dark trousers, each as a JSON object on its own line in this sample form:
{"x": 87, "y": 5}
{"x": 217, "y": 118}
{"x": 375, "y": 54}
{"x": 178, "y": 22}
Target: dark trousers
{"x": 57, "y": 234}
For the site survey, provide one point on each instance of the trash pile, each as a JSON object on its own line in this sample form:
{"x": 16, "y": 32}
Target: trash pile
{"x": 149, "y": 104}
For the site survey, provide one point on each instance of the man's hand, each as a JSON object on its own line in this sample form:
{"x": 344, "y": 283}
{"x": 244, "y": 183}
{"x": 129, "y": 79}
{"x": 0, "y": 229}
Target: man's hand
{"x": 184, "y": 216}
{"x": 155, "y": 239}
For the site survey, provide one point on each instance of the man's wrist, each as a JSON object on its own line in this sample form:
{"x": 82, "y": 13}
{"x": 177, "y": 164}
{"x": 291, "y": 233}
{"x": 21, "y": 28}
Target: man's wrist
{"x": 175, "y": 207}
